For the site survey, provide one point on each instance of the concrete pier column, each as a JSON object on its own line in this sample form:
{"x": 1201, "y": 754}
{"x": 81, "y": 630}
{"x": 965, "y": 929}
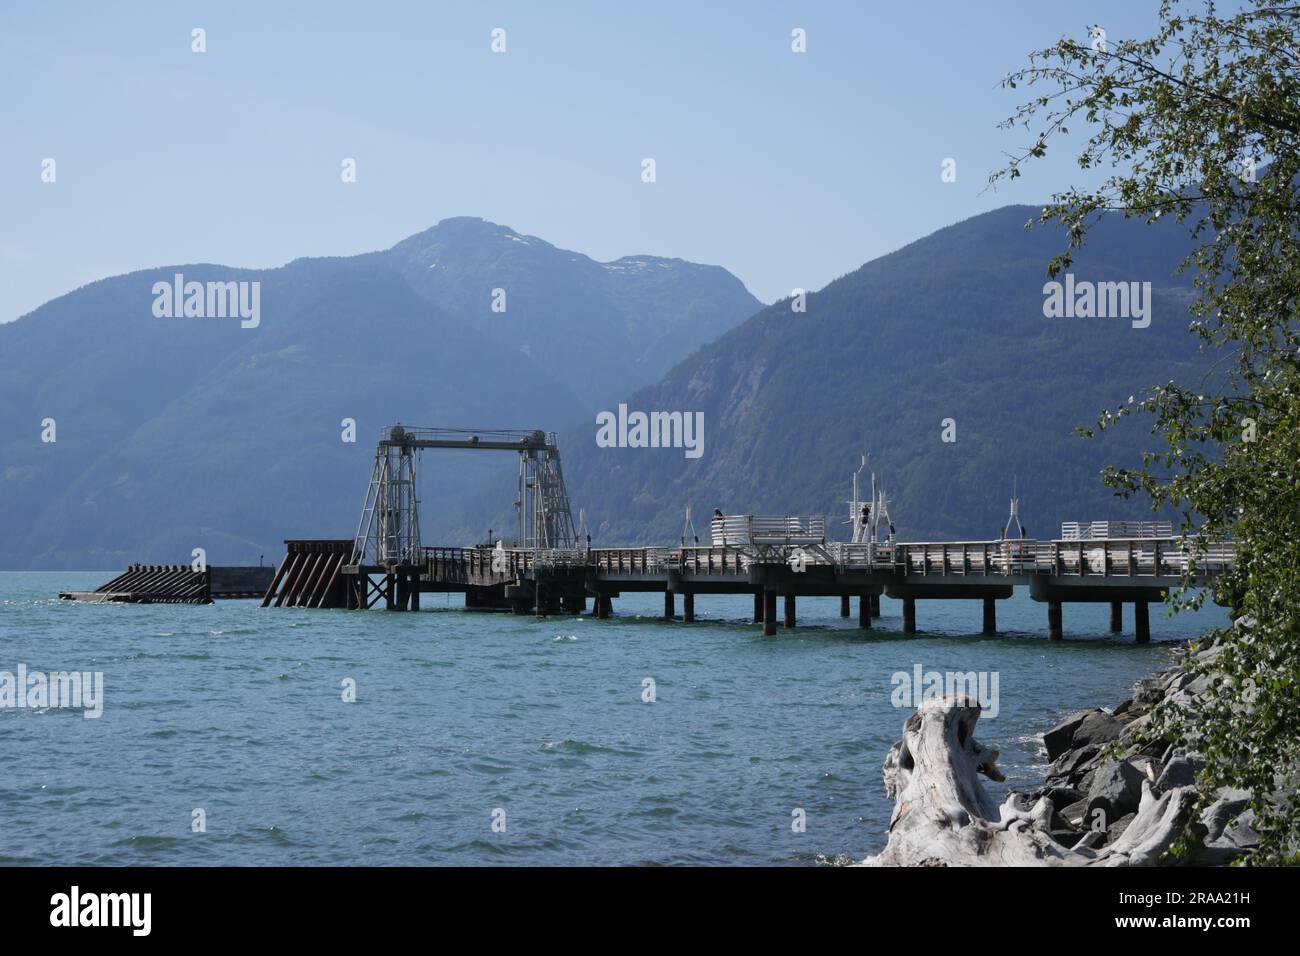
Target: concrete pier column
{"x": 688, "y": 608}
{"x": 769, "y": 613}
{"x": 844, "y": 605}
{"x": 1116, "y": 616}
{"x": 909, "y": 615}
{"x": 990, "y": 616}
{"x": 864, "y": 612}
{"x": 604, "y": 606}
{"x": 415, "y": 591}
{"x": 875, "y": 605}
{"x": 789, "y": 610}
{"x": 758, "y": 606}
{"x": 670, "y": 606}
{"x": 1141, "y": 622}
{"x": 1054, "y": 631}
{"x": 390, "y": 588}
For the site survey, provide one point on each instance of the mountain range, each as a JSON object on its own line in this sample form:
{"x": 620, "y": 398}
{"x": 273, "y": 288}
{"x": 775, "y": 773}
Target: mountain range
{"x": 945, "y": 338}
{"x": 937, "y": 361}
{"x": 183, "y": 432}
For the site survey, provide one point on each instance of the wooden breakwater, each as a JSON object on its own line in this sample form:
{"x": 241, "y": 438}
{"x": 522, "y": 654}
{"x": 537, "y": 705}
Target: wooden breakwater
{"x": 177, "y": 584}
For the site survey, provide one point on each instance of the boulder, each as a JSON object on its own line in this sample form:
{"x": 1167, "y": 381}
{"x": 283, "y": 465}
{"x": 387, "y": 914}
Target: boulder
{"x": 1097, "y": 728}
{"x": 1208, "y": 653}
{"x": 1116, "y": 788}
{"x": 1062, "y": 796}
{"x": 1200, "y": 686}
{"x": 1139, "y": 726}
{"x": 1058, "y": 739}
{"x": 1076, "y": 813}
{"x": 1116, "y": 829}
{"x": 1148, "y": 691}
{"x": 1073, "y": 766}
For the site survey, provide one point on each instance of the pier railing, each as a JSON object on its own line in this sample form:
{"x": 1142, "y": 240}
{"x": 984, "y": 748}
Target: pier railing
{"x": 764, "y": 530}
{"x": 1169, "y": 557}
{"x": 1114, "y": 557}
{"x": 630, "y": 560}
{"x": 983, "y": 558}
{"x": 857, "y": 557}
{"x": 476, "y": 566}
{"x": 717, "y": 560}
{"x": 1086, "y": 530}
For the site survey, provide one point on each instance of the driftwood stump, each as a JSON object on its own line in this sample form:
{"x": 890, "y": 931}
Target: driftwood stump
{"x": 944, "y": 816}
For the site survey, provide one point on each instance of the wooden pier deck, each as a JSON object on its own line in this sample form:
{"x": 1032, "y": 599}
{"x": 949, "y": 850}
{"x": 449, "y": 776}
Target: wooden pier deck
{"x": 550, "y": 572}
{"x": 793, "y": 561}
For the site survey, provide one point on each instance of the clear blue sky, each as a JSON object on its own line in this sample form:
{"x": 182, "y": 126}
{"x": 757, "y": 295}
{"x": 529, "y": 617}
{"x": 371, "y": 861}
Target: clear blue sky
{"x": 787, "y": 169}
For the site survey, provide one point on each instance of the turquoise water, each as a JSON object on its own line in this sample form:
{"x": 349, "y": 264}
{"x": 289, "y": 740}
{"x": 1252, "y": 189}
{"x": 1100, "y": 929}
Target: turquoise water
{"x": 238, "y": 711}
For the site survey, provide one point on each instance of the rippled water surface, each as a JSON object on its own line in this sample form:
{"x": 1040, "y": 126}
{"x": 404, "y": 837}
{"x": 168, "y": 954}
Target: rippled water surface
{"x": 238, "y": 711}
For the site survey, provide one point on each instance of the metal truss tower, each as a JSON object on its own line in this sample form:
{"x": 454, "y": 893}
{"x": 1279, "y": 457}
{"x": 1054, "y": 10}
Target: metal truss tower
{"x": 388, "y": 534}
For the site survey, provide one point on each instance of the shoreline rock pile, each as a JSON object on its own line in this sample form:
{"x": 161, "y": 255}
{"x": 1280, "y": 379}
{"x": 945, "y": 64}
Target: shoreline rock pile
{"x": 1096, "y": 795}
{"x": 1109, "y": 798}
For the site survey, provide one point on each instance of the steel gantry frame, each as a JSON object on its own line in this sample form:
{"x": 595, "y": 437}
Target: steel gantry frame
{"x": 388, "y": 534}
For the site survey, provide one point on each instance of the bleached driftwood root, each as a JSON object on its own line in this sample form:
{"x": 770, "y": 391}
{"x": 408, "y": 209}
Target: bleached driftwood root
{"x": 943, "y": 816}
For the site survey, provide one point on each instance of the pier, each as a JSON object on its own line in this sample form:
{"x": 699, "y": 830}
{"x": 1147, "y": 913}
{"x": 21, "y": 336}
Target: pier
{"x": 549, "y": 569}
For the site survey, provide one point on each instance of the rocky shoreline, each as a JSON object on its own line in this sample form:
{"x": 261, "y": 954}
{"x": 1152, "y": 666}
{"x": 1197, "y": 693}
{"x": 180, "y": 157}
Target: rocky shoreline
{"x": 1096, "y": 796}
{"x": 1109, "y": 798}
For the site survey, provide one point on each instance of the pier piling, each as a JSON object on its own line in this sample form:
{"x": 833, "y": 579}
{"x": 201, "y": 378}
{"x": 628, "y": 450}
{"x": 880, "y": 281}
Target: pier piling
{"x": 909, "y": 615}
{"x": 1054, "y": 630}
{"x": 990, "y": 616}
{"x": 844, "y": 605}
{"x": 1141, "y": 622}
{"x": 864, "y": 612}
{"x": 769, "y": 613}
{"x": 1116, "y": 617}
{"x": 688, "y": 607}
{"x": 789, "y": 610}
